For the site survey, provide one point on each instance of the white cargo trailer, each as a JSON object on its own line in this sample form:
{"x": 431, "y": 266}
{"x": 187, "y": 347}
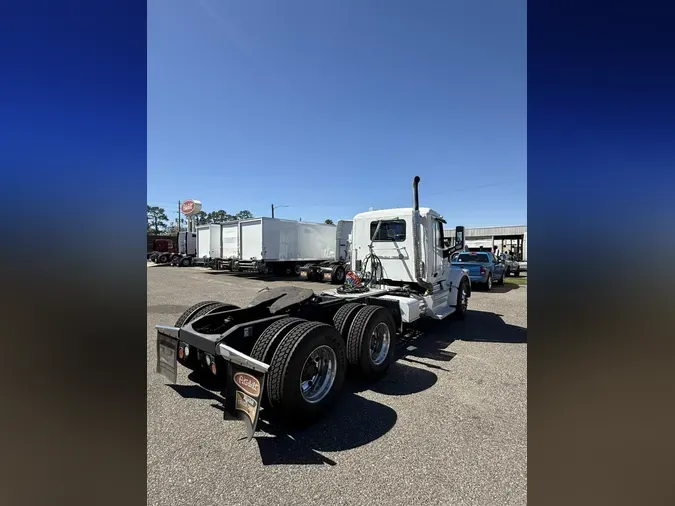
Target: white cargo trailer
{"x": 272, "y": 245}
{"x": 230, "y": 241}
{"x": 208, "y": 241}
{"x": 267, "y": 241}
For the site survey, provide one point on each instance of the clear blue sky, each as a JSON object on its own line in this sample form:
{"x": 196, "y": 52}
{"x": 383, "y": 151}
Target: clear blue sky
{"x": 334, "y": 107}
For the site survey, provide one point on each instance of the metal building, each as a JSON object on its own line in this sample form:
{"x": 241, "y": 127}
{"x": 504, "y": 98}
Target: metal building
{"x": 510, "y": 239}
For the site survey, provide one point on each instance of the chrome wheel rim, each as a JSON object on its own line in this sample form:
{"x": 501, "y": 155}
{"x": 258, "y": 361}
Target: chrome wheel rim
{"x": 318, "y": 374}
{"x": 380, "y": 341}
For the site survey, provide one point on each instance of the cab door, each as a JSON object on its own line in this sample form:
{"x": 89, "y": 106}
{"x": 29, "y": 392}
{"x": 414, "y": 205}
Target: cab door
{"x": 438, "y": 264}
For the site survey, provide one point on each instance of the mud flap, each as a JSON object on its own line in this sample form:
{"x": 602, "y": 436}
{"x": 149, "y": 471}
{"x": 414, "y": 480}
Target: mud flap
{"x": 245, "y": 387}
{"x": 167, "y": 356}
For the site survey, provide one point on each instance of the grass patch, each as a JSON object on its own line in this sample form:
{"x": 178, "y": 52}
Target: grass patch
{"x": 516, "y": 281}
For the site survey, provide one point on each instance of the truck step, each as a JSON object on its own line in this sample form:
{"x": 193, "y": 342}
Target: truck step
{"x": 442, "y": 312}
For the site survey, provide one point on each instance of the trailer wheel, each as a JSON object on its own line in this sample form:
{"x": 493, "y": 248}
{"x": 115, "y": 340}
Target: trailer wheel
{"x": 269, "y": 340}
{"x": 162, "y": 259}
{"x": 344, "y": 317}
{"x": 371, "y": 341}
{"x": 185, "y": 262}
{"x": 338, "y": 275}
{"x": 306, "y": 371}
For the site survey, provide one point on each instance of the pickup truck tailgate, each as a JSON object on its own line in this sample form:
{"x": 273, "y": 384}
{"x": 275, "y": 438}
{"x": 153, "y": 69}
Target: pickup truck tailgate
{"x": 473, "y": 268}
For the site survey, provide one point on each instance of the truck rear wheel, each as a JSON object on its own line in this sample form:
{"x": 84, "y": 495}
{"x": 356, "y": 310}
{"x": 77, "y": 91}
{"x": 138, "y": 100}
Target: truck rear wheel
{"x": 212, "y": 309}
{"x": 338, "y": 275}
{"x": 371, "y": 341}
{"x": 162, "y": 259}
{"x": 269, "y": 340}
{"x": 191, "y": 312}
{"x": 185, "y": 262}
{"x": 462, "y": 300}
{"x": 344, "y": 317}
{"x": 306, "y": 371}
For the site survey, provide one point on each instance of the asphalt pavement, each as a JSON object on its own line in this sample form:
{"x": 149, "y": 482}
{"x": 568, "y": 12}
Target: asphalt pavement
{"x": 447, "y": 425}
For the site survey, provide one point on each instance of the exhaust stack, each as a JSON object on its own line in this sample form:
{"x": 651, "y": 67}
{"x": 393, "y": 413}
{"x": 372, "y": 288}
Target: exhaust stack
{"x": 417, "y": 250}
{"x": 416, "y": 196}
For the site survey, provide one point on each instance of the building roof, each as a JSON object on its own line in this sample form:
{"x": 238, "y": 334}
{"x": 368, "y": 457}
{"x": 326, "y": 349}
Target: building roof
{"x": 490, "y": 231}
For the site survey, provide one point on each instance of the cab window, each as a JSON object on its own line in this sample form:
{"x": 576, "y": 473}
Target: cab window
{"x": 390, "y": 230}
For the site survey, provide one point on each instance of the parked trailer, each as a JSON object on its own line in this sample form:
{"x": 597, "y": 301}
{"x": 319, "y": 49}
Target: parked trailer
{"x": 333, "y": 270}
{"x": 208, "y": 245}
{"x": 282, "y": 247}
{"x": 289, "y": 349}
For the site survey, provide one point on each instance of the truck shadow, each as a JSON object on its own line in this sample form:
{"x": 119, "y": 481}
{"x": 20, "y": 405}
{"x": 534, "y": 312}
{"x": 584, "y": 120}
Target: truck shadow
{"x": 479, "y": 326}
{"x": 353, "y": 421}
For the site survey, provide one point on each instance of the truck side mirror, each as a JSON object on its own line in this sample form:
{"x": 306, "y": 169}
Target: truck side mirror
{"x": 459, "y": 236}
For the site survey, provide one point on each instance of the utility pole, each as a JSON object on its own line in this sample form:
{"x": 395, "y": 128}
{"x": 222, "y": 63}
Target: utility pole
{"x": 276, "y": 207}
{"x": 179, "y": 216}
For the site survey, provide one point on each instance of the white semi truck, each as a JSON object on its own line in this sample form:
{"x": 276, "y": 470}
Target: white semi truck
{"x": 289, "y": 349}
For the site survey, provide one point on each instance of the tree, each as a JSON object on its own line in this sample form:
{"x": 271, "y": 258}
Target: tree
{"x": 157, "y": 218}
{"x": 329, "y": 222}
{"x": 201, "y": 218}
{"x": 173, "y": 228}
{"x": 220, "y": 217}
{"x": 244, "y": 215}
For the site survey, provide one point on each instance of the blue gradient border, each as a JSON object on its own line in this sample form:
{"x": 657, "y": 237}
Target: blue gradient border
{"x": 73, "y": 159}
{"x": 601, "y": 181}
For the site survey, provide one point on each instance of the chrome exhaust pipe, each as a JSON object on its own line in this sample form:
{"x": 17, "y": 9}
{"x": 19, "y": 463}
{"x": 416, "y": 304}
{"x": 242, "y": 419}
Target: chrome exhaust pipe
{"x": 417, "y": 250}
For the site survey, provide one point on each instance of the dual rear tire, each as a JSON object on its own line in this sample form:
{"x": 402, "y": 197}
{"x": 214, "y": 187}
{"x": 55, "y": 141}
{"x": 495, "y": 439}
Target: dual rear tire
{"x": 307, "y": 367}
{"x": 309, "y": 360}
{"x": 370, "y": 341}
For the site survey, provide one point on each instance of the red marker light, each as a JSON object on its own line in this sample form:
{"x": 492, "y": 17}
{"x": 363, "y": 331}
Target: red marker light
{"x": 213, "y": 367}
{"x": 180, "y": 352}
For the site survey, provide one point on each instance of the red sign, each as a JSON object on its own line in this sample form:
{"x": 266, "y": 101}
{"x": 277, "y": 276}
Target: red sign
{"x": 188, "y": 206}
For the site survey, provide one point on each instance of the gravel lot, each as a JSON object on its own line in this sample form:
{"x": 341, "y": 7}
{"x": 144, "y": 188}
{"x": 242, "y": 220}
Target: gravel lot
{"x": 447, "y": 425}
